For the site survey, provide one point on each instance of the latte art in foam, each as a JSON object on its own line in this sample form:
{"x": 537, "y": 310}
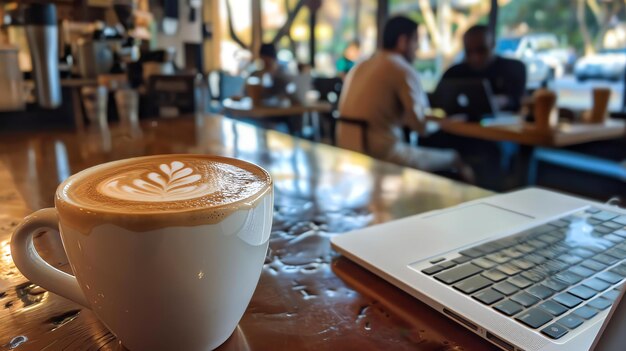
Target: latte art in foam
{"x": 173, "y": 182}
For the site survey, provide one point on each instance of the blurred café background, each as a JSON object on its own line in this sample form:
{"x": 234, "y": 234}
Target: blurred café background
{"x": 75, "y": 65}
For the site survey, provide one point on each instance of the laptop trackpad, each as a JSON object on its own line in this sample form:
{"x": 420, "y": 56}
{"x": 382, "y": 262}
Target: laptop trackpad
{"x": 470, "y": 224}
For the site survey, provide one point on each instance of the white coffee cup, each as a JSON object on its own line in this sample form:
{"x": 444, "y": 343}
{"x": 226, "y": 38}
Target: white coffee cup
{"x": 170, "y": 288}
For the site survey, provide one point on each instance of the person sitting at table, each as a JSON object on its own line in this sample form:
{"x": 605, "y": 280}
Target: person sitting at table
{"x": 273, "y": 76}
{"x": 507, "y": 77}
{"x": 385, "y": 91}
{"x": 348, "y": 59}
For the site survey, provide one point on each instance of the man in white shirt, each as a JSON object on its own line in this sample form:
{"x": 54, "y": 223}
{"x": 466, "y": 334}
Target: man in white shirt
{"x": 385, "y": 91}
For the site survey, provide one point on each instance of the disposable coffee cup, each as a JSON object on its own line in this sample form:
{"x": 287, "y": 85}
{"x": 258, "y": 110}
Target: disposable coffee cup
{"x": 544, "y": 109}
{"x": 598, "y": 113}
{"x": 254, "y": 89}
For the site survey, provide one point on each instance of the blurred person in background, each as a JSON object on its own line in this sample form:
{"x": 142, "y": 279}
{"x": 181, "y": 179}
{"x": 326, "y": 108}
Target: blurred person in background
{"x": 385, "y": 91}
{"x": 348, "y": 59}
{"x": 273, "y": 76}
{"x": 507, "y": 77}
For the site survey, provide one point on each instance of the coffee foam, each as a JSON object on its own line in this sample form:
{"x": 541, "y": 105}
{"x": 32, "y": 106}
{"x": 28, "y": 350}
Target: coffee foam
{"x": 151, "y": 192}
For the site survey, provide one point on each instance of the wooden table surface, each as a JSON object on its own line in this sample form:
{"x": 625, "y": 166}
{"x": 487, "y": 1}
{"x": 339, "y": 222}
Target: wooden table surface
{"x": 308, "y": 297}
{"x": 245, "y": 108}
{"x": 566, "y": 134}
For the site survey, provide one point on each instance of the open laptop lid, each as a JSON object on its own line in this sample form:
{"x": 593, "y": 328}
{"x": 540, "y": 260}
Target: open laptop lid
{"x": 471, "y": 97}
{"x": 612, "y": 335}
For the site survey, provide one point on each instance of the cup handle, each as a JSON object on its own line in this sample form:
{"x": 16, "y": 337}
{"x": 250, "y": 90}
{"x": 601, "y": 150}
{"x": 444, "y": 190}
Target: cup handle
{"x": 33, "y": 267}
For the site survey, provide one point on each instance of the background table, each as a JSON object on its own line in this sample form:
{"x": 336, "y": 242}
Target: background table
{"x": 566, "y": 134}
{"x": 308, "y": 298}
{"x": 309, "y": 112}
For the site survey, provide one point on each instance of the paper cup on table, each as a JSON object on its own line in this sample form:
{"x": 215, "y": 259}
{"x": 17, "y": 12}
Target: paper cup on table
{"x": 544, "y": 109}
{"x": 254, "y": 89}
{"x": 598, "y": 111}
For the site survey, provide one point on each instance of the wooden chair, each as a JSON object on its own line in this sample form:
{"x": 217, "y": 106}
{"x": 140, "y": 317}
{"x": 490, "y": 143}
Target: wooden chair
{"x": 361, "y": 127}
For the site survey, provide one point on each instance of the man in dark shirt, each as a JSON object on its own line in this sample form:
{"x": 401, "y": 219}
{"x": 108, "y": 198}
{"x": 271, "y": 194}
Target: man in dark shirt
{"x": 506, "y": 76}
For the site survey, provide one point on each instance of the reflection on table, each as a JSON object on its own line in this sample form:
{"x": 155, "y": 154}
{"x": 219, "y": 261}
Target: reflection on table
{"x": 300, "y": 302}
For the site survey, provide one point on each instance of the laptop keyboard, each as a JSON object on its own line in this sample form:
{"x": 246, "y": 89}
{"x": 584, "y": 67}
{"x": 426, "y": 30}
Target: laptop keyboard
{"x": 551, "y": 278}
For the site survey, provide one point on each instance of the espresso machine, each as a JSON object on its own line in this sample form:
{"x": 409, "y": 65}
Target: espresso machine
{"x": 40, "y": 24}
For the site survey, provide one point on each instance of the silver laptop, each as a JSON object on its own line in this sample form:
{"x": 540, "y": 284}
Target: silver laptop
{"x": 528, "y": 270}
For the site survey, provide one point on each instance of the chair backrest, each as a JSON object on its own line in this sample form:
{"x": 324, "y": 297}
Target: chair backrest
{"x": 329, "y": 89}
{"x": 230, "y": 86}
{"x": 352, "y": 134}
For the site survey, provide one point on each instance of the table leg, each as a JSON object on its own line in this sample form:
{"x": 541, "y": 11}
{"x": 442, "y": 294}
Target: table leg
{"x": 315, "y": 121}
{"x": 77, "y": 107}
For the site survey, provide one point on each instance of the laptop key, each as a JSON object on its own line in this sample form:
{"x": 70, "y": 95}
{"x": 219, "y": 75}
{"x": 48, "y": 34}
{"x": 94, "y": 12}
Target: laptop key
{"x": 567, "y": 300}
{"x": 461, "y": 259}
{"x": 525, "y": 299}
{"x": 600, "y": 303}
{"x": 620, "y": 232}
{"x": 506, "y": 288}
{"x": 614, "y": 238}
{"x": 540, "y": 291}
{"x": 525, "y": 248}
{"x": 513, "y": 253}
{"x": 602, "y": 229}
{"x": 593, "y": 210}
{"x": 554, "y": 331}
{"x": 585, "y": 312}
{"x": 432, "y": 270}
{"x": 484, "y": 263}
{"x": 447, "y": 264}
{"x": 609, "y": 277}
{"x": 616, "y": 252}
{"x": 520, "y": 282}
{"x": 619, "y": 270}
{"x": 553, "y": 308}
{"x": 473, "y": 284}
{"x": 508, "y": 269}
{"x": 570, "y": 259}
{"x": 536, "y": 259}
{"x": 498, "y": 257}
{"x": 593, "y": 221}
{"x": 488, "y": 296}
{"x": 568, "y": 277}
{"x": 458, "y": 273}
{"x": 606, "y": 259}
{"x": 605, "y": 215}
{"x": 582, "y": 292}
{"x": 611, "y": 295}
{"x": 508, "y": 307}
{"x": 593, "y": 265}
{"x": 473, "y": 253}
{"x": 554, "y": 285}
{"x": 537, "y": 243}
{"x": 621, "y": 220}
{"x": 596, "y": 284}
{"x": 613, "y": 225}
{"x": 494, "y": 275}
{"x": 534, "y": 318}
{"x": 533, "y": 275}
{"x": 582, "y": 252}
{"x": 522, "y": 264}
{"x": 571, "y": 321}
{"x": 582, "y": 271}
{"x": 560, "y": 223}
